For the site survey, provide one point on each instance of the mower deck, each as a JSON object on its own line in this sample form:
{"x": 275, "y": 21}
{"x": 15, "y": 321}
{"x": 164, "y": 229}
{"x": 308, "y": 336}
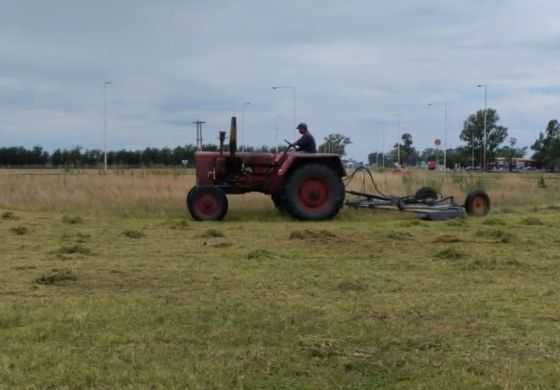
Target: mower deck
{"x": 427, "y": 204}
{"x": 430, "y": 210}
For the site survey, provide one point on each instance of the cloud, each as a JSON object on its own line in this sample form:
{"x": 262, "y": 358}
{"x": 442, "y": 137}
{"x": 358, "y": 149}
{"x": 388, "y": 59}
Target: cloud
{"x": 356, "y": 65}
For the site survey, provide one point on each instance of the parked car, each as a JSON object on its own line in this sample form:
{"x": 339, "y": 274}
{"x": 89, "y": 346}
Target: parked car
{"x": 432, "y": 164}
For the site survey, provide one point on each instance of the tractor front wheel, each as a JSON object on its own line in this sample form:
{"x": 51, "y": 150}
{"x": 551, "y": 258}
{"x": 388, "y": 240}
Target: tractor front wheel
{"x": 207, "y": 203}
{"x": 314, "y": 192}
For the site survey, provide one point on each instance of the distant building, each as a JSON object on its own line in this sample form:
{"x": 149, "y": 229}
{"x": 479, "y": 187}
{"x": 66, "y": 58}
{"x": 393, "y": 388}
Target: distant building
{"x": 350, "y": 163}
{"x": 518, "y": 164}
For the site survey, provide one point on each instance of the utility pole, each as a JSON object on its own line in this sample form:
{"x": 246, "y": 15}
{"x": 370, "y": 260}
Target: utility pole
{"x": 199, "y": 133}
{"x": 399, "y": 138}
{"x": 383, "y": 148}
{"x": 105, "y": 85}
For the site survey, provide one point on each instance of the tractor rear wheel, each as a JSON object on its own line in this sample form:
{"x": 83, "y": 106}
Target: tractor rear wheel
{"x": 207, "y": 203}
{"x": 477, "y": 204}
{"x": 314, "y": 192}
{"x": 279, "y": 201}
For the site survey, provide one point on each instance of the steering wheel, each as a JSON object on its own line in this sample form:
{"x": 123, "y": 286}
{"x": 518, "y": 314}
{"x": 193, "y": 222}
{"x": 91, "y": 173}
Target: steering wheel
{"x": 290, "y": 145}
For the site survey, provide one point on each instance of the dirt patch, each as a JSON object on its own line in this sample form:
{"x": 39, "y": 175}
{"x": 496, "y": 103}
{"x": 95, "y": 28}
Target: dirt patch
{"x": 312, "y": 235}
{"x": 351, "y": 285}
{"x": 494, "y": 222}
{"x": 20, "y": 230}
{"x": 82, "y": 237}
{"x": 497, "y": 235}
{"x": 134, "y": 234}
{"x": 399, "y": 235}
{"x": 9, "y": 216}
{"x": 72, "y": 220}
{"x": 181, "y": 224}
{"x": 532, "y": 221}
{"x": 506, "y": 210}
{"x": 411, "y": 223}
{"x": 74, "y": 249}
{"x": 56, "y": 277}
{"x": 261, "y": 254}
{"x": 223, "y": 244}
{"x": 322, "y": 349}
{"x": 212, "y": 233}
{"x": 450, "y": 254}
{"x": 24, "y": 267}
{"x": 79, "y": 238}
{"x": 457, "y": 222}
{"x": 447, "y": 239}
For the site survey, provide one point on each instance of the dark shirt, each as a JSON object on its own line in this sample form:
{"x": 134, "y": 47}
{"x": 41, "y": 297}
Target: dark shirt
{"x": 306, "y": 143}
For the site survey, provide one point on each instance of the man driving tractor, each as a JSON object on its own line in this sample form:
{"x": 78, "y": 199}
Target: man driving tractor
{"x": 306, "y": 143}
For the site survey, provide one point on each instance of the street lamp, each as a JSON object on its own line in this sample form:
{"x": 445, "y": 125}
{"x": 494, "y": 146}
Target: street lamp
{"x": 105, "y": 85}
{"x": 444, "y": 133}
{"x": 485, "y": 86}
{"x": 242, "y": 132}
{"x": 294, "y": 97}
{"x": 398, "y": 115}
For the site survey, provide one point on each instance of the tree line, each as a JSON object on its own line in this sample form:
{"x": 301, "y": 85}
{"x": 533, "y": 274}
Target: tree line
{"x": 78, "y": 157}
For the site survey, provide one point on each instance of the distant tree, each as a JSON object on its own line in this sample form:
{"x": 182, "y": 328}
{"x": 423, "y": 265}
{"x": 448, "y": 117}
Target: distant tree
{"x": 473, "y": 133}
{"x": 335, "y": 143}
{"x": 374, "y": 158}
{"x": 408, "y": 153}
{"x": 547, "y": 146}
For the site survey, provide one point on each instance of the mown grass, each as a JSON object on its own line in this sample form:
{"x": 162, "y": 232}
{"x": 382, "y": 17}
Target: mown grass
{"x": 371, "y": 300}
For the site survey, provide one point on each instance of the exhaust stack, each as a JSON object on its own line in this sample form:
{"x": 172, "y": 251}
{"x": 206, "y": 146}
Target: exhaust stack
{"x": 233, "y": 136}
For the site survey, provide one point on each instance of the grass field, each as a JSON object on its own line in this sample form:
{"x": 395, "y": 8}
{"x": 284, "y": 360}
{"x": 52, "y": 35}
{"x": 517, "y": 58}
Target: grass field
{"x": 106, "y": 294}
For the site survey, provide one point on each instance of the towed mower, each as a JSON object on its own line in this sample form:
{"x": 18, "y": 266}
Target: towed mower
{"x": 426, "y": 203}
{"x": 304, "y": 185}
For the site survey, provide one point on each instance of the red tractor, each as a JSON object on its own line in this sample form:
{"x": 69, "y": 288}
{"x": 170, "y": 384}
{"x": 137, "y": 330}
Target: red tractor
{"x": 306, "y": 186}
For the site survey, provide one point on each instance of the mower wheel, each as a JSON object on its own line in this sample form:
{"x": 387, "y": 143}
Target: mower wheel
{"x": 425, "y": 194}
{"x": 207, "y": 203}
{"x": 314, "y": 192}
{"x": 477, "y": 204}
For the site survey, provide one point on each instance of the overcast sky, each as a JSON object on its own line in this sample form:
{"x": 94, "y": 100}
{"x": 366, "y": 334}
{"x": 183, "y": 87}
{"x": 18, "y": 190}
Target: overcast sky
{"x": 358, "y": 66}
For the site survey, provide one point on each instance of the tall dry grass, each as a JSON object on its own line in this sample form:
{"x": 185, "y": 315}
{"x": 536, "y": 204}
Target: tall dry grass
{"x": 162, "y": 192}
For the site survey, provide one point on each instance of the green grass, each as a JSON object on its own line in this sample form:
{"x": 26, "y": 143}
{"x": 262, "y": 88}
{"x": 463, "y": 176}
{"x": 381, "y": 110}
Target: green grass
{"x": 372, "y": 300}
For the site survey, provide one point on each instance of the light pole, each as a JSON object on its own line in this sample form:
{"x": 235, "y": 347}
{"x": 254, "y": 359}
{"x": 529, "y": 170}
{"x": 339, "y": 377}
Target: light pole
{"x": 444, "y": 133}
{"x": 383, "y": 148}
{"x": 243, "y": 122}
{"x": 105, "y": 85}
{"x": 398, "y": 138}
{"x": 294, "y": 97}
{"x": 484, "y": 140}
